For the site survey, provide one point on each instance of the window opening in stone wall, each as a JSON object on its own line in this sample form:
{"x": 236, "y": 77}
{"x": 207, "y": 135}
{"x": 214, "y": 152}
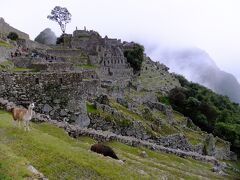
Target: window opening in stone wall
{"x": 37, "y": 80}
{"x": 109, "y": 72}
{"x": 61, "y": 80}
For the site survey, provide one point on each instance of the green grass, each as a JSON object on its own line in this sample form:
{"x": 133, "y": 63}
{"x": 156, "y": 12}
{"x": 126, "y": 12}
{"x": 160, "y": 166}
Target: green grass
{"x": 11, "y": 165}
{"x": 9, "y": 66}
{"x": 167, "y": 129}
{"x": 6, "y": 65}
{"x": 220, "y": 143}
{"x": 90, "y": 107}
{"x": 58, "y": 156}
{"x": 194, "y": 137}
{"x": 179, "y": 117}
{"x": 5, "y": 44}
{"x": 16, "y": 69}
{"x": 159, "y": 114}
{"x": 125, "y": 111}
{"x": 86, "y": 66}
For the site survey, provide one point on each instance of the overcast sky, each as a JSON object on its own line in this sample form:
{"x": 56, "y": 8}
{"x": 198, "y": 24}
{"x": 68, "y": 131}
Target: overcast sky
{"x": 212, "y": 25}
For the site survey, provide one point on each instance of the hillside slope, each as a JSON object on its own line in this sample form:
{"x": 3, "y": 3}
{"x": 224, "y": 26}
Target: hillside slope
{"x": 58, "y": 156}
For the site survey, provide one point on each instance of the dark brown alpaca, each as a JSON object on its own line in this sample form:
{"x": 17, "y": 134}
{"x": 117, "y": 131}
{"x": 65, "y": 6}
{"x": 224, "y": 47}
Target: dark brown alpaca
{"x": 104, "y": 150}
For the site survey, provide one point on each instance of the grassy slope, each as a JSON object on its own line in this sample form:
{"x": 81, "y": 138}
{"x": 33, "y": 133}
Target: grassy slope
{"x": 58, "y": 156}
{"x": 5, "y": 44}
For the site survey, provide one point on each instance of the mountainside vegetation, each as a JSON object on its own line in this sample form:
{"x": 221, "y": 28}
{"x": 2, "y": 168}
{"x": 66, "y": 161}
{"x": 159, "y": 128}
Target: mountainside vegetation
{"x": 211, "y": 112}
{"x": 135, "y": 57}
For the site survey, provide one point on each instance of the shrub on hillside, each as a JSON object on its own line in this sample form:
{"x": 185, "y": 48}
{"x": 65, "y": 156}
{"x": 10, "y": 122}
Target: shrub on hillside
{"x": 13, "y": 36}
{"x": 60, "y": 40}
{"x": 134, "y": 57}
{"x": 211, "y": 112}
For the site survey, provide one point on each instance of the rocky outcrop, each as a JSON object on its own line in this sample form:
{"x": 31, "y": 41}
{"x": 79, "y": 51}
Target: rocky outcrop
{"x": 5, "y": 29}
{"x": 5, "y": 53}
{"x": 122, "y": 125}
{"x": 179, "y": 141}
{"x": 47, "y": 36}
{"x": 167, "y": 110}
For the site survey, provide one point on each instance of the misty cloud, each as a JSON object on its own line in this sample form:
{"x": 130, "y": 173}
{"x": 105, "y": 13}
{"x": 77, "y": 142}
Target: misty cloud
{"x": 197, "y": 66}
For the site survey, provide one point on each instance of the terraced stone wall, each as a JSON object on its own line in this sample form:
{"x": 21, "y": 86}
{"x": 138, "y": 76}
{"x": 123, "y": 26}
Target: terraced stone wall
{"x": 60, "y": 95}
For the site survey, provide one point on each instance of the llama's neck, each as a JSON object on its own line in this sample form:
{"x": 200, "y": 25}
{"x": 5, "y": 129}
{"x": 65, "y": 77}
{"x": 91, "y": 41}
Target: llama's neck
{"x": 30, "y": 112}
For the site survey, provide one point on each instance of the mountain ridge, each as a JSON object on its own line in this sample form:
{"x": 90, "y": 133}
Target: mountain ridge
{"x": 198, "y": 66}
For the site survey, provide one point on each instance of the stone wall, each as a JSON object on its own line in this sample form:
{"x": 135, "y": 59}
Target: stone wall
{"x": 61, "y": 95}
{"x": 52, "y": 66}
{"x": 167, "y": 110}
{"x": 64, "y": 52}
{"x": 5, "y": 29}
{"x": 22, "y": 61}
{"x": 178, "y": 141}
{"x": 75, "y": 56}
{"x": 5, "y": 53}
{"x": 34, "y": 45}
{"x": 107, "y": 73}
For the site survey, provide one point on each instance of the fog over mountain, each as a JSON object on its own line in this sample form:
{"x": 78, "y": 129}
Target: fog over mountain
{"x": 197, "y": 66}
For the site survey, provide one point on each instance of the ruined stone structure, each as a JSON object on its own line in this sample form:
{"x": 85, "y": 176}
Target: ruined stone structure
{"x": 52, "y": 66}
{"x": 104, "y": 52}
{"x": 5, "y": 53}
{"x": 5, "y": 29}
{"x": 61, "y": 95}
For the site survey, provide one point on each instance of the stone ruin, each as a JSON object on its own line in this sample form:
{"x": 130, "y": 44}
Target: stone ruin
{"x": 106, "y": 53}
{"x": 58, "y": 94}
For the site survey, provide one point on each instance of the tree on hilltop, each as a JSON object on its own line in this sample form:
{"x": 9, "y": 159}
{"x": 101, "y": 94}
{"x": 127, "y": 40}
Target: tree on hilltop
{"x": 62, "y": 16}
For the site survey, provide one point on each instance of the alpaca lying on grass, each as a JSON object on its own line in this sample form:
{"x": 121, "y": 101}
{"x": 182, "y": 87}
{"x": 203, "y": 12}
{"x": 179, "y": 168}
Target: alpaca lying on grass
{"x": 104, "y": 150}
{"x": 23, "y": 115}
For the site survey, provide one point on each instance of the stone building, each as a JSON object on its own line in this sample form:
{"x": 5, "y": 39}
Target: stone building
{"x": 107, "y": 54}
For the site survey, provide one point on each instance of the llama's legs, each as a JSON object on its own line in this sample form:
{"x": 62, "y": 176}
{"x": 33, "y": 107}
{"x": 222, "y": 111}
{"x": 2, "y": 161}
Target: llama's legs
{"x": 14, "y": 123}
{"x": 25, "y": 123}
{"x": 28, "y": 128}
{"x": 19, "y": 124}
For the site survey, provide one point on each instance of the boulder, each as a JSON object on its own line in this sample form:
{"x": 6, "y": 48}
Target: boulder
{"x": 47, "y": 108}
{"x": 47, "y": 37}
{"x": 103, "y": 99}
